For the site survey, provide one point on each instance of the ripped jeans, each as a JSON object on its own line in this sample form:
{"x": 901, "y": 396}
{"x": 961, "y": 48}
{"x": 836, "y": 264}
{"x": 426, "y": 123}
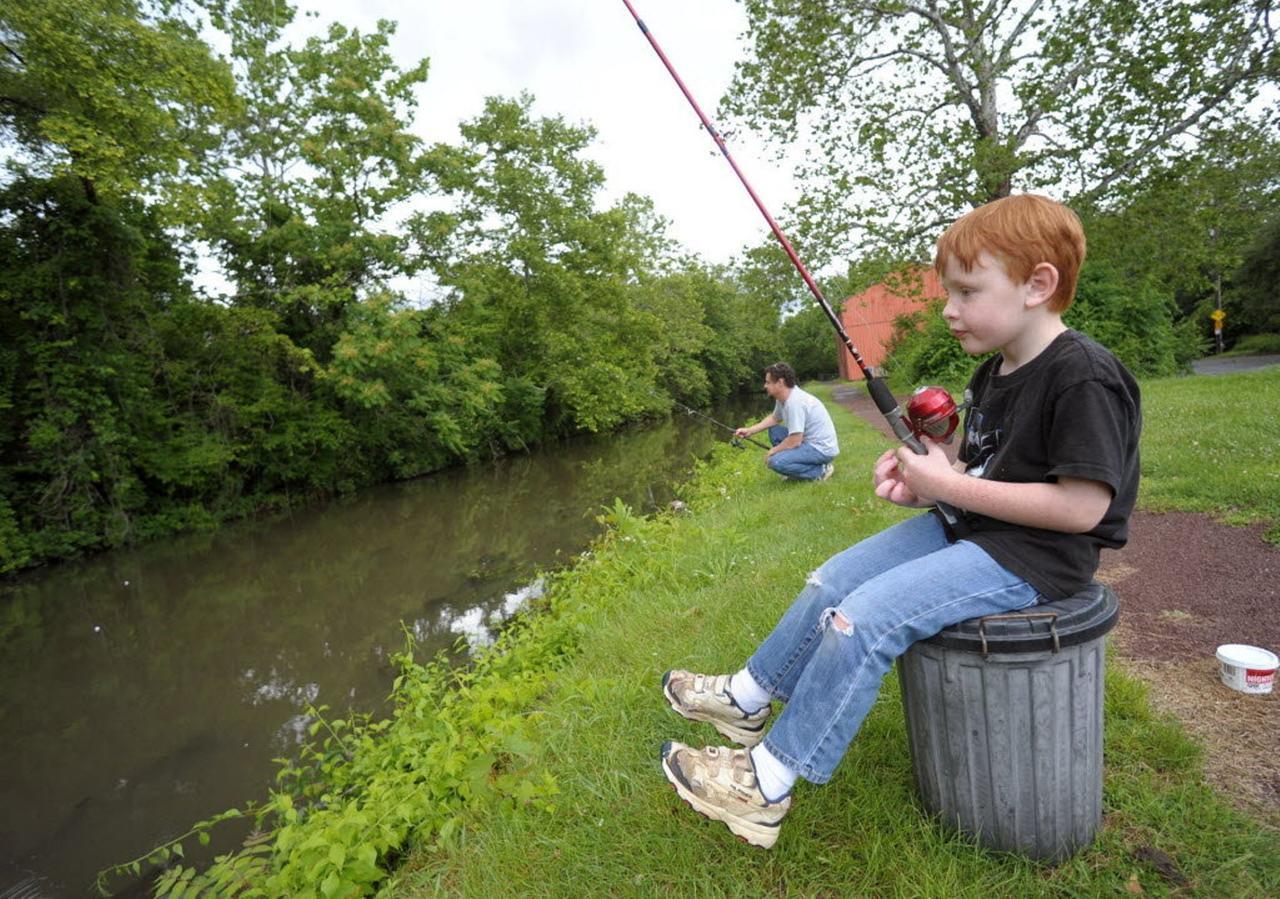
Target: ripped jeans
{"x": 904, "y": 584}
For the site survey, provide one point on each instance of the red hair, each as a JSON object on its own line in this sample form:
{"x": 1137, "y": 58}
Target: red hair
{"x": 1021, "y": 231}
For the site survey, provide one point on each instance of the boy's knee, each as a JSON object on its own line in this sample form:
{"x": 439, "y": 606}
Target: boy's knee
{"x": 839, "y": 622}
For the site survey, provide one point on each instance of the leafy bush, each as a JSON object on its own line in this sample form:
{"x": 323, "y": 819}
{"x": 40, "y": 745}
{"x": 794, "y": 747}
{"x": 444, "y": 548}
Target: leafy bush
{"x": 1256, "y": 285}
{"x": 809, "y": 344}
{"x": 1134, "y": 321}
{"x": 1256, "y": 345}
{"x": 923, "y": 351}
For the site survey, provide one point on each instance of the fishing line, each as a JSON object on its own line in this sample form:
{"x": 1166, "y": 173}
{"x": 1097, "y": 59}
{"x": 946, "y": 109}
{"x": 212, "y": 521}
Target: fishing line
{"x": 879, "y": 391}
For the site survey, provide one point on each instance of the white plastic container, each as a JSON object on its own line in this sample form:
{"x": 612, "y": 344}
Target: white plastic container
{"x": 1249, "y": 669}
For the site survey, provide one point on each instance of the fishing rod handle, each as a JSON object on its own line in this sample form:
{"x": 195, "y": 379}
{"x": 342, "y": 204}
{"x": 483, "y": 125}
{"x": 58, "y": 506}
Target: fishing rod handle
{"x": 883, "y": 397}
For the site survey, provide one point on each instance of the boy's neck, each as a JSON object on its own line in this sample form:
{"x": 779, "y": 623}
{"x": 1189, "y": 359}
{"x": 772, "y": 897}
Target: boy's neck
{"x": 1031, "y": 342}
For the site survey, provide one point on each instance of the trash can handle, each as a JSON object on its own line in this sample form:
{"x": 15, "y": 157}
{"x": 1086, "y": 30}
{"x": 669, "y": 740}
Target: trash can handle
{"x": 1019, "y": 616}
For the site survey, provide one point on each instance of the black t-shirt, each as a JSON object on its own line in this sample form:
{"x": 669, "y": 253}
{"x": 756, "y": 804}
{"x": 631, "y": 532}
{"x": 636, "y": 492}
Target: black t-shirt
{"x": 1073, "y": 411}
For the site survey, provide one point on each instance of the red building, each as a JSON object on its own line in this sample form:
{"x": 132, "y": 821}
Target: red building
{"x": 868, "y": 317}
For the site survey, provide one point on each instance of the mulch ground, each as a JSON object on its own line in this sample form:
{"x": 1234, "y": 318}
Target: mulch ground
{"x": 1187, "y": 584}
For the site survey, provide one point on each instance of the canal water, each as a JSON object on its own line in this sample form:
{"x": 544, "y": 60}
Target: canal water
{"x": 145, "y": 689}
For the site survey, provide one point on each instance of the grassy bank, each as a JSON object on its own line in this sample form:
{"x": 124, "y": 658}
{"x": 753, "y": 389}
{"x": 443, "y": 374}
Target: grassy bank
{"x": 700, "y": 590}
{"x": 1212, "y": 444}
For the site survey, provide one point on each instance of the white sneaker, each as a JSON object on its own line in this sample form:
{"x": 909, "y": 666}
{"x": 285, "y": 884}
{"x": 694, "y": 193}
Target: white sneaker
{"x": 706, "y": 697}
{"x": 720, "y": 783}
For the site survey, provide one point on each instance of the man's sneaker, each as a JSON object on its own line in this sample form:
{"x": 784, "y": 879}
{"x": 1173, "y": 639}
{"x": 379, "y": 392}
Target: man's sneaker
{"x": 702, "y": 697}
{"x": 827, "y": 471}
{"x": 720, "y": 783}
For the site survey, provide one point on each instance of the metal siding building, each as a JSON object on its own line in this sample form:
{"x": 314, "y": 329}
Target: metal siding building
{"x": 868, "y": 317}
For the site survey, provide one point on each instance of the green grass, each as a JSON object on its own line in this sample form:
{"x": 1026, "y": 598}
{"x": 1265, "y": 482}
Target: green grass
{"x": 1212, "y": 444}
{"x": 699, "y": 591}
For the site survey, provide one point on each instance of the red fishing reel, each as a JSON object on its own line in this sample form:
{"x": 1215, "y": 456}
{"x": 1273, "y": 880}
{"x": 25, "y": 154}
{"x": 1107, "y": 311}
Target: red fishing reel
{"x": 933, "y": 413}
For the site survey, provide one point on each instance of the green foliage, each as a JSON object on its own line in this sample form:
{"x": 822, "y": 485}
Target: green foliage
{"x": 417, "y": 400}
{"x": 923, "y": 110}
{"x": 1187, "y": 228}
{"x": 77, "y": 279}
{"x": 538, "y": 275}
{"x": 120, "y": 93}
{"x": 924, "y": 351}
{"x": 713, "y": 331}
{"x": 809, "y": 343}
{"x": 320, "y": 154}
{"x": 1256, "y": 345}
{"x": 563, "y": 293}
{"x": 1256, "y": 285}
{"x": 1134, "y": 321}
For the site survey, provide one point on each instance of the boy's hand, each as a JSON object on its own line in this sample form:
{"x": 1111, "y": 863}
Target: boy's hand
{"x": 889, "y": 484}
{"x": 924, "y": 476}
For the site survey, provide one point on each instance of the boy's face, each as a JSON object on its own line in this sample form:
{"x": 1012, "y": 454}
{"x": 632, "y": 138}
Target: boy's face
{"x": 984, "y": 307}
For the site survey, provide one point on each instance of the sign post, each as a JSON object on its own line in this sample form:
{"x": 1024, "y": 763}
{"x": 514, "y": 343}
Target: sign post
{"x": 1217, "y": 315}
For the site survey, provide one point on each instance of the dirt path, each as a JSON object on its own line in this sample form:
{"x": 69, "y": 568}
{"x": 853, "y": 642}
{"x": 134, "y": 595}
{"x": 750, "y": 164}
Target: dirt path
{"x": 1187, "y": 584}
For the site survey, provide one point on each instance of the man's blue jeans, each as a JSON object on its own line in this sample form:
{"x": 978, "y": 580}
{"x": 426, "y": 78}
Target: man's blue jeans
{"x": 804, "y": 463}
{"x": 901, "y": 585}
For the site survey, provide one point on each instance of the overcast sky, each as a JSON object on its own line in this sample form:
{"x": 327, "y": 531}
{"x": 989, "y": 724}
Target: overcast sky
{"x": 587, "y": 61}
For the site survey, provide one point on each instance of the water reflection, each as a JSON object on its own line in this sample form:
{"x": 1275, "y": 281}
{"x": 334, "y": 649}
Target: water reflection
{"x": 143, "y": 690}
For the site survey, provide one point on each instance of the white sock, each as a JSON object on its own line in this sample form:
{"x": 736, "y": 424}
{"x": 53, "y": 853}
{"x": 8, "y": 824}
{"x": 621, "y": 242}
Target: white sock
{"x": 774, "y": 778}
{"x": 750, "y": 696}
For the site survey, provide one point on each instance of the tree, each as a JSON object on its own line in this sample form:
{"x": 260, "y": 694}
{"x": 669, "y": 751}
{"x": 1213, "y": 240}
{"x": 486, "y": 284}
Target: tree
{"x": 1186, "y": 226}
{"x": 319, "y": 155}
{"x": 101, "y": 104}
{"x": 538, "y": 278}
{"x": 810, "y": 344}
{"x": 922, "y": 108}
{"x": 121, "y": 94}
{"x": 1256, "y": 286}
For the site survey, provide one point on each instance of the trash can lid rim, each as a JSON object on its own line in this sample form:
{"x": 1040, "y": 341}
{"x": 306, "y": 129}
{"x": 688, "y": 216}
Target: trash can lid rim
{"x": 1086, "y": 616}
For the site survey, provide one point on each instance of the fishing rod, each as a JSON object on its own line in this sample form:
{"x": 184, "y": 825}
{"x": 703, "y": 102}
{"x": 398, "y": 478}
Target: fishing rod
{"x": 719, "y": 424}
{"x": 931, "y": 410}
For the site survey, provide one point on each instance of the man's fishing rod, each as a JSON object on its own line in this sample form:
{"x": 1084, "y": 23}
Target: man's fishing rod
{"x": 720, "y": 424}
{"x": 937, "y": 414}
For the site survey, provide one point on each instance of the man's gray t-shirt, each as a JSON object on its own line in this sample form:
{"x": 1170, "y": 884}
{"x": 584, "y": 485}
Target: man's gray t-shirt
{"x": 804, "y": 414}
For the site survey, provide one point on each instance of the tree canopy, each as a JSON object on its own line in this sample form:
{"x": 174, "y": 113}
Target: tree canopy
{"x": 123, "y": 94}
{"x": 131, "y": 405}
{"x": 920, "y": 109}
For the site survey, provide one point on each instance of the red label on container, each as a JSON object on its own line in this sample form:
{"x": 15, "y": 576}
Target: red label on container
{"x": 1259, "y": 675}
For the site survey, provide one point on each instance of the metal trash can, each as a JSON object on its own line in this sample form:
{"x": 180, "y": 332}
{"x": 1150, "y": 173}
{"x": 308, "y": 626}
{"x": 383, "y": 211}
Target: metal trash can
{"x": 1004, "y": 721}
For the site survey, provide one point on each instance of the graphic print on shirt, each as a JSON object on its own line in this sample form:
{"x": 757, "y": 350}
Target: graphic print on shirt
{"x": 983, "y": 443}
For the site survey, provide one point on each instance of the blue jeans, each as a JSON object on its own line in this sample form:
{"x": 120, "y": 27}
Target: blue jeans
{"x": 804, "y": 463}
{"x": 901, "y": 585}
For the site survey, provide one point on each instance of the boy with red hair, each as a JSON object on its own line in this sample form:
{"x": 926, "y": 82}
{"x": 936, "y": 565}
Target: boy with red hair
{"x": 1047, "y": 475}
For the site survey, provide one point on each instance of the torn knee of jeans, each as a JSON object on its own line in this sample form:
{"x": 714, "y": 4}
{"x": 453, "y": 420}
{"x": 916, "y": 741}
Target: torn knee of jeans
{"x": 836, "y": 619}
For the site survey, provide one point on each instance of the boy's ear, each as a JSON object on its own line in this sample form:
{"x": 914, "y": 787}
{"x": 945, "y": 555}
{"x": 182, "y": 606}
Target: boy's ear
{"x": 1041, "y": 285}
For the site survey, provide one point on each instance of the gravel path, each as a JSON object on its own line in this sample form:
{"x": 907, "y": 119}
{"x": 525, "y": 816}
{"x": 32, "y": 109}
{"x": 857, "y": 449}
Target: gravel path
{"x": 1224, "y": 365}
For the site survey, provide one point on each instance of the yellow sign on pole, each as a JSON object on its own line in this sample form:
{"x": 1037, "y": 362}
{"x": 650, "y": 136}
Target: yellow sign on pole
{"x": 1218, "y": 315}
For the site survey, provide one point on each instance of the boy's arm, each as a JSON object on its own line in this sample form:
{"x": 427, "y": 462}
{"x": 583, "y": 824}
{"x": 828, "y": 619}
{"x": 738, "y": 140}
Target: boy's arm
{"x": 1070, "y": 505}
